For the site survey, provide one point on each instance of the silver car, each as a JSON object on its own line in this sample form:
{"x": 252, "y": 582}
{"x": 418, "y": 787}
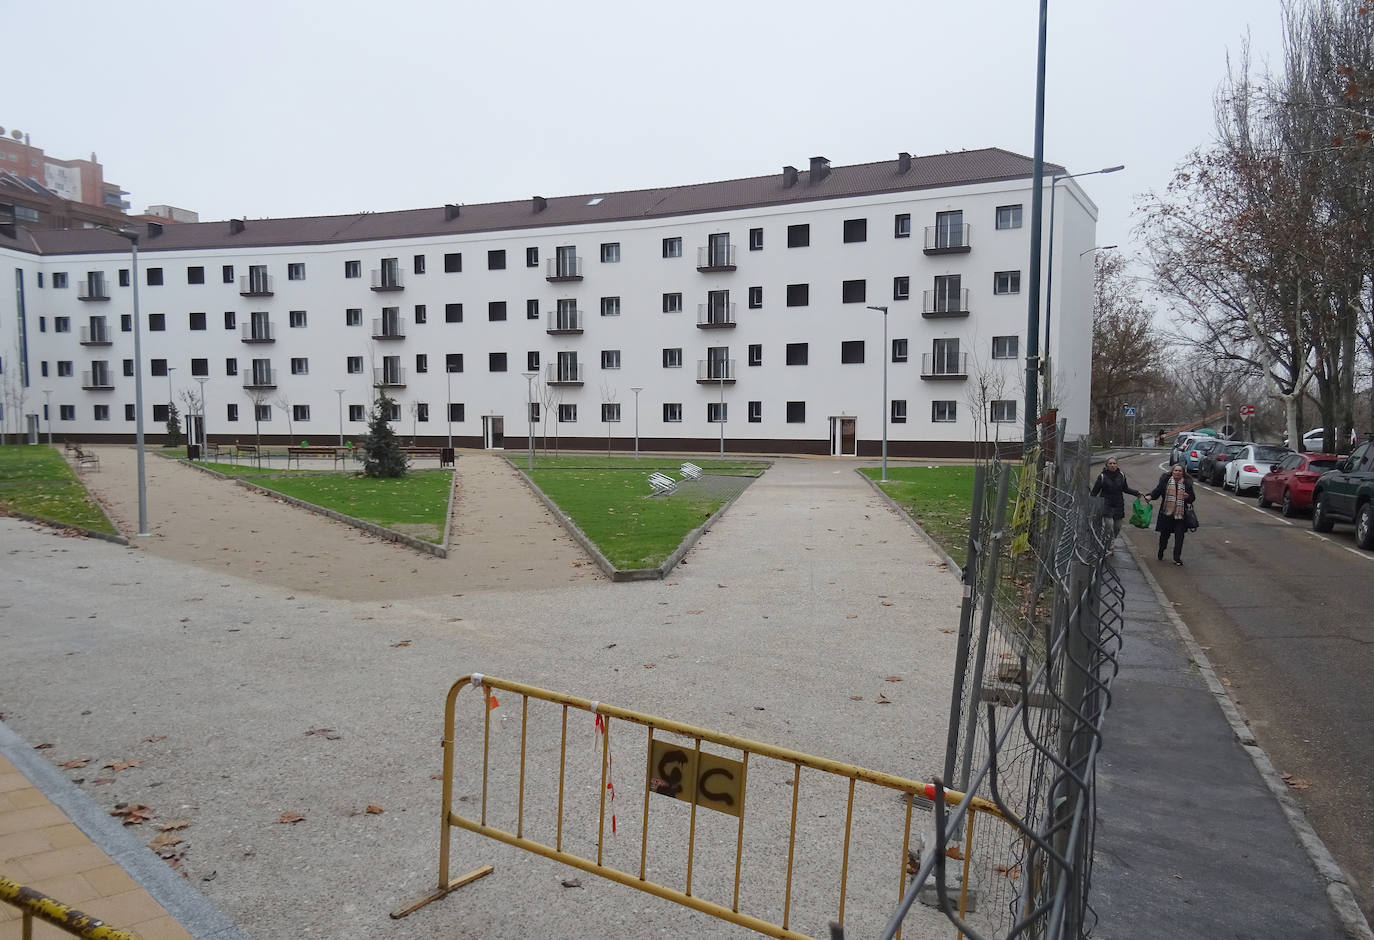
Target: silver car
{"x": 1245, "y": 470}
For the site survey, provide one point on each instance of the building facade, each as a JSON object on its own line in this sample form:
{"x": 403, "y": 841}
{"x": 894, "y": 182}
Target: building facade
{"x": 738, "y": 312}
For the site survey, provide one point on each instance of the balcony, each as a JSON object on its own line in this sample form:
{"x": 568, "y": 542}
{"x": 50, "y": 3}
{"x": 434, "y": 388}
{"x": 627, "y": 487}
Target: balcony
{"x": 389, "y": 328}
{"x": 565, "y": 322}
{"x": 260, "y": 379}
{"x": 716, "y": 371}
{"x": 97, "y": 381}
{"x": 937, "y": 304}
{"x": 563, "y": 269}
{"x": 259, "y": 333}
{"x": 389, "y": 377}
{"x": 716, "y": 258}
{"x": 564, "y": 373}
{"x": 92, "y": 289}
{"x": 95, "y": 336}
{"x": 947, "y": 239}
{"x": 715, "y": 316}
{"x": 953, "y": 366}
{"x": 255, "y": 285}
{"x": 387, "y": 279}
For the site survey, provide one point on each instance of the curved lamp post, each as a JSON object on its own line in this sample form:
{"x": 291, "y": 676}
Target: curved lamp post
{"x": 885, "y": 358}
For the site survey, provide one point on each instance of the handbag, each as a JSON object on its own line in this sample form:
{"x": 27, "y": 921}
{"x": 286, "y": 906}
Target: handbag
{"x": 1190, "y": 518}
{"x": 1141, "y": 514}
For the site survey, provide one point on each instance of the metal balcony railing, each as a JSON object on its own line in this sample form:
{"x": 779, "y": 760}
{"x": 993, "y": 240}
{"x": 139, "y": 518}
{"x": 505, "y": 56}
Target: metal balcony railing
{"x": 92, "y": 289}
{"x": 389, "y": 377}
{"x": 261, "y": 332}
{"x": 945, "y": 303}
{"x": 717, "y": 257}
{"x": 565, "y": 321}
{"x": 564, "y": 373}
{"x": 712, "y": 316}
{"x": 947, "y": 239}
{"x": 944, "y": 366}
{"x": 95, "y": 336}
{"x": 563, "y": 269}
{"x": 389, "y": 328}
{"x": 97, "y": 379}
{"x": 716, "y": 370}
{"x": 387, "y": 279}
{"x": 255, "y": 285}
{"x": 260, "y": 378}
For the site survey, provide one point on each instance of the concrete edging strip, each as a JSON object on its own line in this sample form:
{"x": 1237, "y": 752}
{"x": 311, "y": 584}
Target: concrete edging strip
{"x": 184, "y": 903}
{"x": 88, "y": 533}
{"x": 955, "y": 568}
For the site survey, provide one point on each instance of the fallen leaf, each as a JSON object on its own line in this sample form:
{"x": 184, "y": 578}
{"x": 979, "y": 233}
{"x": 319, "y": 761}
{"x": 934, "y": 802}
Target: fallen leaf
{"x": 329, "y": 734}
{"x": 373, "y": 809}
{"x": 436, "y": 776}
{"x": 402, "y": 643}
{"x": 955, "y": 853}
{"x": 852, "y": 617}
{"x": 650, "y": 665}
{"x": 948, "y": 630}
{"x": 887, "y": 603}
{"x": 1226, "y": 682}
{"x": 893, "y": 679}
{"x": 720, "y": 585}
{"x": 118, "y": 765}
{"x": 164, "y": 840}
{"x": 690, "y": 612}
{"x": 1011, "y": 871}
{"x": 571, "y": 883}
{"x": 41, "y": 747}
{"x": 99, "y": 781}
{"x": 73, "y": 764}
{"x": 135, "y": 815}
{"x": 174, "y": 825}
{"x": 153, "y": 739}
{"x": 883, "y": 699}
{"x": 1298, "y": 783}
{"x": 856, "y": 698}
{"x": 291, "y": 817}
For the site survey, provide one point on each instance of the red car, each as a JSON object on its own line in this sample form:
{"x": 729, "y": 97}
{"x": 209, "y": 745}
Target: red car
{"x": 1290, "y": 482}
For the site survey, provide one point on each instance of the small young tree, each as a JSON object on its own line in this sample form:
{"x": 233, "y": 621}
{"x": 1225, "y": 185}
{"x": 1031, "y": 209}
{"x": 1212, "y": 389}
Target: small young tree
{"x": 174, "y": 435}
{"x": 382, "y": 453}
{"x": 259, "y": 398}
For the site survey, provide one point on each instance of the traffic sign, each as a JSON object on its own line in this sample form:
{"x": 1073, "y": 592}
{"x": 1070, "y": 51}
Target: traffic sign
{"x": 1247, "y": 411}
{"x": 1130, "y": 411}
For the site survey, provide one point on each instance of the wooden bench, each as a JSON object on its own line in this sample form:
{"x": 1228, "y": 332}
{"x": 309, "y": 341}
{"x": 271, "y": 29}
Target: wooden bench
{"x": 441, "y": 454}
{"x": 85, "y": 459}
{"x": 336, "y": 454}
{"x": 246, "y": 450}
{"x": 690, "y": 471}
{"x": 662, "y": 484}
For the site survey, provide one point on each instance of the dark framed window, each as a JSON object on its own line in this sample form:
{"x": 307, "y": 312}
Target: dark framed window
{"x": 756, "y": 239}
{"x": 356, "y": 413}
{"x": 798, "y": 236}
{"x": 200, "y": 366}
{"x": 453, "y": 362}
{"x": 296, "y": 319}
{"x": 900, "y": 350}
{"x": 1009, "y": 216}
{"x": 532, "y": 361}
{"x": 798, "y": 295}
{"x": 1003, "y": 412}
{"x": 672, "y": 412}
{"x": 129, "y": 413}
{"x": 231, "y": 366}
{"x": 755, "y": 412}
{"x": 672, "y": 303}
{"x": 159, "y": 414}
{"x": 295, "y": 271}
{"x": 856, "y": 230}
{"x": 353, "y": 316}
{"x": 128, "y": 367}
{"x": 851, "y": 351}
{"x": 901, "y": 287}
{"x": 197, "y": 320}
{"x": 854, "y": 292}
{"x": 226, "y": 273}
{"x": 155, "y": 367}
{"x": 123, "y": 277}
{"x": 59, "y": 279}
{"x": 672, "y": 358}
{"x": 154, "y": 277}
{"x": 796, "y": 412}
{"x": 496, "y": 310}
{"x": 195, "y": 275}
{"x": 457, "y": 412}
{"x": 943, "y": 412}
{"x": 453, "y": 262}
{"x": 755, "y": 297}
{"x": 798, "y": 354}
{"x": 231, "y": 412}
{"x": 610, "y": 306}
{"x": 567, "y": 413}
{"x": 418, "y": 264}
{"x": 1006, "y": 282}
{"x": 421, "y": 313}
{"x": 230, "y": 320}
{"x": 1006, "y": 347}
{"x": 755, "y": 354}
{"x": 531, "y": 257}
{"x": 453, "y": 313}
{"x": 355, "y": 365}
{"x": 421, "y": 362}
{"x": 899, "y": 411}
{"x": 532, "y": 309}
{"x": 901, "y": 225}
{"x": 353, "y": 269}
{"x": 672, "y": 247}
{"x": 610, "y": 252}
{"x": 496, "y": 362}
{"x": 496, "y": 259}
{"x": 157, "y": 322}
{"x": 300, "y": 365}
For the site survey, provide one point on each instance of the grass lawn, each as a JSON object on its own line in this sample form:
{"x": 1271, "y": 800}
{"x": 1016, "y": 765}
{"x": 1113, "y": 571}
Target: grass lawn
{"x": 940, "y": 499}
{"x": 645, "y": 464}
{"x": 34, "y": 479}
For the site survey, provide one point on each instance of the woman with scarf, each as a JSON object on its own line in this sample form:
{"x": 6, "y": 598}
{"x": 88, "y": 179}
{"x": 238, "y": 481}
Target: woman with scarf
{"x": 1177, "y": 492}
{"x": 1111, "y": 485}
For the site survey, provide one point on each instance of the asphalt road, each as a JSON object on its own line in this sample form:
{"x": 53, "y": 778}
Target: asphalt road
{"x": 1284, "y": 615}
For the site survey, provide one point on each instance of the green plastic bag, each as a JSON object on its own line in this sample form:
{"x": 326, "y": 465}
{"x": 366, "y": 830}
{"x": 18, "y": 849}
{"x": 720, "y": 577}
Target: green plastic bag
{"x": 1141, "y": 514}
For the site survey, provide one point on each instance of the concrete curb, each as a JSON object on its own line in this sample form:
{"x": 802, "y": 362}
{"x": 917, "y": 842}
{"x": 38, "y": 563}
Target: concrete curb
{"x": 1337, "y": 884}
{"x": 187, "y": 906}
{"x": 89, "y": 533}
{"x": 955, "y": 568}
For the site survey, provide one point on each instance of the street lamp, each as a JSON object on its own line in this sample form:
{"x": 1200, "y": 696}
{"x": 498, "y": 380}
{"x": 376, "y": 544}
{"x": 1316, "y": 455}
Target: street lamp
{"x": 339, "y": 392}
{"x": 132, "y": 236}
{"x": 529, "y": 411}
{"x": 634, "y": 388}
{"x": 204, "y": 428}
{"x": 724, "y": 367}
{"x": 448, "y": 400}
{"x": 885, "y": 357}
{"x": 1096, "y": 248}
{"x": 47, "y": 410}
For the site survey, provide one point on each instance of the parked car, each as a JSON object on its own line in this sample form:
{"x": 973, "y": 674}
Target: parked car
{"x": 1181, "y": 445}
{"x": 1245, "y": 470}
{"x": 1292, "y": 480}
{"x": 1314, "y": 439}
{"x": 1346, "y": 494}
{"x": 1199, "y": 448}
{"x": 1212, "y": 468}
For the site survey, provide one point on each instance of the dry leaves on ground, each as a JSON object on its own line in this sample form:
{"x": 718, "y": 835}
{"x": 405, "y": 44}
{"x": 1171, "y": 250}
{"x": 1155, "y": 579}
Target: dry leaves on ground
{"x": 893, "y": 679}
{"x": 154, "y": 738}
{"x": 135, "y": 815}
{"x": 74, "y": 764}
{"x": 883, "y": 699}
{"x": 402, "y": 643}
{"x": 174, "y": 825}
{"x": 329, "y": 733}
{"x": 291, "y": 818}
{"x": 118, "y": 765}
{"x": 1295, "y": 783}
{"x": 373, "y": 809}
{"x": 42, "y": 747}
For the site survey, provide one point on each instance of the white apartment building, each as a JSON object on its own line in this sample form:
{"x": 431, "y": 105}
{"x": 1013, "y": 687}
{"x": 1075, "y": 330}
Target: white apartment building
{"x": 737, "y": 309}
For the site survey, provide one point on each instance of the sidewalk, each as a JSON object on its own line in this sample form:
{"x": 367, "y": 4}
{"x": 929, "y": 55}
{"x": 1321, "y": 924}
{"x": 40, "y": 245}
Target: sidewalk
{"x": 1197, "y": 836}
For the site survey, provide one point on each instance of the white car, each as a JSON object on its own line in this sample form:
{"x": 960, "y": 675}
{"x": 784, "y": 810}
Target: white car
{"x": 1245, "y": 470}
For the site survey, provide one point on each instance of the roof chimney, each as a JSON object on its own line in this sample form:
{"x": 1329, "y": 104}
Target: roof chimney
{"x": 820, "y": 169}
{"x": 903, "y": 162}
{"x": 154, "y": 229}
{"x": 540, "y": 203}
{"x": 789, "y": 176}
{"x": 236, "y": 226}
{"x": 450, "y": 212}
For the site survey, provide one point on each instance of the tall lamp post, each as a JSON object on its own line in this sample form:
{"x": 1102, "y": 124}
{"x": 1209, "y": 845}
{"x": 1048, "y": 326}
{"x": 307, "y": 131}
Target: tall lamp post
{"x": 885, "y": 358}
{"x": 339, "y": 392}
{"x": 47, "y": 411}
{"x": 634, "y": 388}
{"x": 132, "y": 236}
{"x": 204, "y": 429}
{"x": 724, "y": 368}
{"x": 448, "y": 401}
{"x": 529, "y": 411}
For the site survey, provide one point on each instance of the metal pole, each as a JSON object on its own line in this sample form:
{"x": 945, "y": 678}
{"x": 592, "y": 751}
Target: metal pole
{"x": 138, "y": 391}
{"x": 722, "y": 409}
{"x": 529, "y": 413}
{"x": 636, "y": 389}
{"x": 204, "y": 427}
{"x": 47, "y": 410}
{"x": 885, "y": 358}
{"x": 339, "y": 392}
{"x": 448, "y": 403}
{"x": 1037, "y": 201}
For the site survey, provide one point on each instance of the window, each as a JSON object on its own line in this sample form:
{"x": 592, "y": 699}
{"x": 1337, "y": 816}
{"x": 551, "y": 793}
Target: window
{"x": 195, "y": 275}
{"x": 154, "y": 277}
{"x": 457, "y": 411}
{"x": 496, "y": 362}
{"x": 756, "y": 239}
{"x": 496, "y": 259}
{"x": 123, "y": 277}
{"x": 610, "y": 306}
{"x": 226, "y": 273}
{"x": 300, "y": 412}
{"x": 230, "y": 320}
{"x": 755, "y": 297}
{"x": 947, "y": 361}
{"x": 355, "y": 365}
{"x": 899, "y": 350}
{"x": 901, "y": 288}
{"x": 567, "y": 413}
{"x": 755, "y": 412}
{"x": 716, "y": 412}
{"x": 453, "y": 362}
{"x": 852, "y": 351}
{"x": 231, "y": 366}
{"x": 532, "y": 361}
{"x": 155, "y": 367}
{"x": 610, "y": 412}
{"x": 68, "y": 412}
{"x": 672, "y": 247}
{"x": 1005, "y": 347}
{"x": 260, "y": 413}
{"x": 421, "y": 313}
{"x": 128, "y": 367}
{"x": 949, "y": 229}
{"x": 353, "y": 269}
{"x": 672, "y": 412}
{"x": 1004, "y": 411}
{"x": 129, "y": 413}
{"x": 496, "y": 311}
{"x": 901, "y": 225}
{"x": 672, "y": 358}
{"x": 798, "y": 236}
{"x": 296, "y": 318}
{"x": 353, "y": 316}
{"x": 355, "y": 413}
{"x": 532, "y": 309}
{"x": 672, "y": 303}
{"x": 796, "y": 412}
{"x": 610, "y": 252}
{"x": 64, "y": 367}
{"x": 157, "y": 322}
{"x": 531, "y": 257}
{"x": 948, "y": 294}
{"x": 798, "y": 295}
{"x": 797, "y": 354}
{"x": 197, "y": 321}
{"x": 300, "y": 366}
{"x": 43, "y": 324}
{"x": 453, "y": 262}
{"x": 1009, "y": 216}
{"x": 159, "y": 414}
{"x": 295, "y": 271}
{"x": 418, "y": 264}
{"x": 1006, "y": 282}
{"x": 856, "y": 230}
{"x": 755, "y": 354}
{"x": 899, "y": 411}
{"x": 854, "y": 292}
{"x": 421, "y": 411}
{"x": 59, "y": 279}
{"x": 40, "y": 278}
{"x": 610, "y": 359}
{"x": 63, "y": 324}
{"x": 453, "y": 313}
{"x": 200, "y": 366}
{"x": 421, "y": 362}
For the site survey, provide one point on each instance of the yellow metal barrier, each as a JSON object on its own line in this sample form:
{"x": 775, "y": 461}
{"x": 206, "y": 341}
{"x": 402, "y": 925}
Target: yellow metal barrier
{"x": 683, "y": 773}
{"x": 33, "y": 903}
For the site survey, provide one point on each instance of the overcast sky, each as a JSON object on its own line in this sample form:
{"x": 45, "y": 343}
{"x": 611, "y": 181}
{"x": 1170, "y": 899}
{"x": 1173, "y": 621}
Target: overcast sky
{"x": 292, "y": 107}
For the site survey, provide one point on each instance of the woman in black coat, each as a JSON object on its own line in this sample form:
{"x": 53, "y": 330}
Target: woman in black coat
{"x": 1176, "y": 490}
{"x": 1111, "y": 485}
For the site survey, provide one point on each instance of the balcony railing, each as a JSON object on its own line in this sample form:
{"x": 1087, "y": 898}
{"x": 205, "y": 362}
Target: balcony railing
{"x": 953, "y": 366}
{"x": 943, "y": 303}
{"x": 716, "y": 258}
{"x": 389, "y": 328}
{"x": 93, "y": 289}
{"x": 95, "y": 336}
{"x": 564, "y": 269}
{"x": 255, "y": 285}
{"x": 715, "y": 316}
{"x": 565, "y": 321}
{"x": 260, "y": 378}
{"x": 97, "y": 380}
{"x": 716, "y": 370}
{"x": 564, "y": 373}
{"x": 389, "y": 377}
{"x": 259, "y": 333}
{"x": 947, "y": 239}
{"x": 387, "y": 279}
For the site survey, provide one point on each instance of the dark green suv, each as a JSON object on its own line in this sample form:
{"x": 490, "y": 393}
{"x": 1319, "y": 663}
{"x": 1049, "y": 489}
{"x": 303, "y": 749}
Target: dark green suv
{"x": 1346, "y": 494}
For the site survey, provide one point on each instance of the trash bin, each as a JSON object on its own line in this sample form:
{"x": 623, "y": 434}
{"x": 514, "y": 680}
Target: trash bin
{"x": 446, "y": 457}
{"x": 192, "y": 451}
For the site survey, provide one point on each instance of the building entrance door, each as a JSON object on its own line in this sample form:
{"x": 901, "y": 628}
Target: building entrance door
{"x": 493, "y": 432}
{"x": 844, "y": 439}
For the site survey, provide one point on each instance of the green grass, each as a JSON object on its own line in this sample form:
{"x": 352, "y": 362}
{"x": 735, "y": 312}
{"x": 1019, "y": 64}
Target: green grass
{"x": 34, "y": 479}
{"x": 645, "y": 464}
{"x": 940, "y": 499}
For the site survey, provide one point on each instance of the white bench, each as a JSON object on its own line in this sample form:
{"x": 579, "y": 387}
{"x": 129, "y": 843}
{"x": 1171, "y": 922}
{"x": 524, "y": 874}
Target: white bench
{"x": 690, "y": 471}
{"x": 662, "y": 483}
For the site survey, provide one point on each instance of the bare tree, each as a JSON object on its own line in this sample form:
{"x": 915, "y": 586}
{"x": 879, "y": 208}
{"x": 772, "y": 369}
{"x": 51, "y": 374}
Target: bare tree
{"x": 608, "y": 398}
{"x": 260, "y": 398}
{"x": 1128, "y": 351}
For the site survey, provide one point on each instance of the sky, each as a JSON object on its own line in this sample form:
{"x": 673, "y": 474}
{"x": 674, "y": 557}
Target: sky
{"x": 292, "y": 107}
